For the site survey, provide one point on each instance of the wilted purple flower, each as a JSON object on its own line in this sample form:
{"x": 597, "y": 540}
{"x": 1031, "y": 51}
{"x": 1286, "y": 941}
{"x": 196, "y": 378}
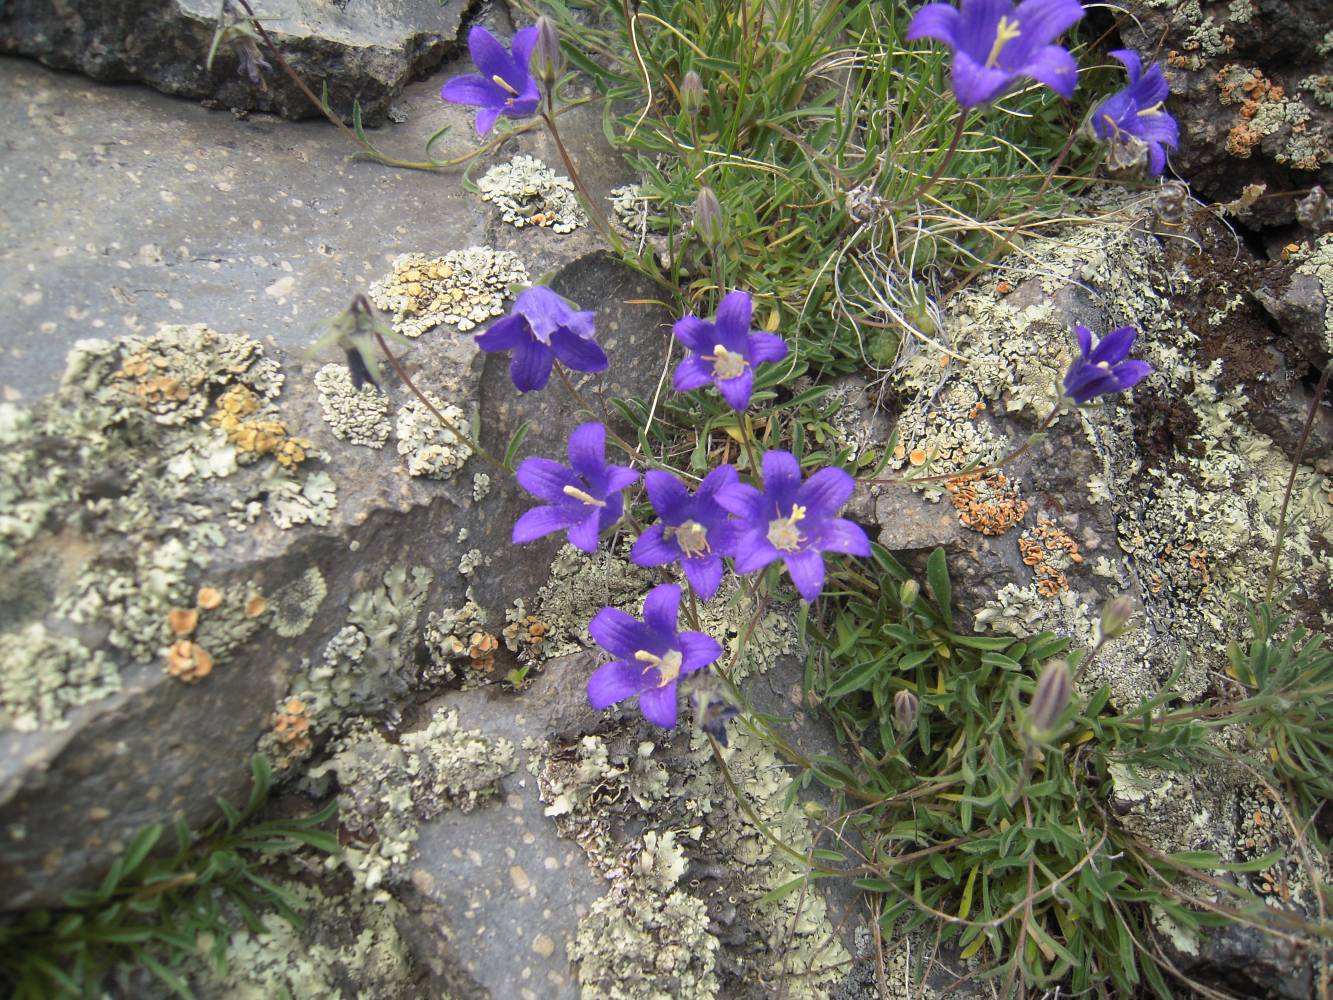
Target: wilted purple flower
{"x": 995, "y": 42}
{"x": 713, "y": 712}
{"x": 1103, "y": 369}
{"x": 540, "y": 328}
{"x": 651, "y": 656}
{"x": 1136, "y": 112}
{"x": 504, "y": 85}
{"x": 583, "y": 500}
{"x": 793, "y": 521}
{"x": 692, "y": 529}
{"x": 725, "y": 352}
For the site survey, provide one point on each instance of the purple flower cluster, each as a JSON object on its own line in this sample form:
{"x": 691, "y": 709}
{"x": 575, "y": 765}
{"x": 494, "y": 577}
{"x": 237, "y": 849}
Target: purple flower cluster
{"x": 1135, "y": 114}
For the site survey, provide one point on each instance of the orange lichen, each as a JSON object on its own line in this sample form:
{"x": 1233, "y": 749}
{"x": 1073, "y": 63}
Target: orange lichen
{"x": 526, "y": 635}
{"x": 208, "y": 598}
{"x": 1047, "y": 548}
{"x": 257, "y": 435}
{"x": 291, "y": 730}
{"x": 481, "y": 650}
{"x": 255, "y": 606}
{"x": 989, "y": 504}
{"x": 188, "y": 661}
{"x": 182, "y": 621}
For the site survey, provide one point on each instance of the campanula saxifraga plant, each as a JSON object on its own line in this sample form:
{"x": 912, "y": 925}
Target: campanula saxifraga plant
{"x": 693, "y": 530}
{"x": 1103, "y": 369}
{"x": 651, "y": 656}
{"x": 503, "y": 85}
{"x": 540, "y": 329}
{"x": 793, "y": 521}
{"x": 1136, "y": 112}
{"x": 995, "y": 42}
{"x": 725, "y": 351}
{"x": 583, "y": 499}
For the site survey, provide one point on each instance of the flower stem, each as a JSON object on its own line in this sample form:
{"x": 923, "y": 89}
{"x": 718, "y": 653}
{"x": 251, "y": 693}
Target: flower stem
{"x": 942, "y": 166}
{"x": 1291, "y": 480}
{"x": 448, "y": 424}
{"x": 747, "y": 440}
{"x": 594, "y": 210}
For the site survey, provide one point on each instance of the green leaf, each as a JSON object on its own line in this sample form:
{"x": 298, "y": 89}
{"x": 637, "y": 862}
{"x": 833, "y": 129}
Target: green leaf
{"x": 516, "y": 442}
{"x": 937, "y": 575}
{"x": 965, "y": 905}
{"x": 261, "y": 771}
{"x": 855, "y": 679}
{"x": 786, "y": 889}
{"x": 142, "y": 843}
{"x": 172, "y": 981}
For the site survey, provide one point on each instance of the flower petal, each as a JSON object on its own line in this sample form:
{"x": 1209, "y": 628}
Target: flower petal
{"x": 692, "y": 373}
{"x": 807, "y": 572}
{"x": 974, "y": 84}
{"x": 825, "y": 492}
{"x": 743, "y": 500}
{"x": 782, "y": 478}
{"x": 838, "y": 534}
{"x": 1114, "y": 347}
{"x": 584, "y": 534}
{"x": 754, "y": 552}
{"x": 619, "y": 477}
{"x": 587, "y": 448}
{"x": 695, "y": 333}
{"x": 723, "y": 475}
{"x": 1054, "y": 67}
{"x": 1084, "y": 339}
{"x": 651, "y": 549}
{"x": 661, "y": 609}
{"x": 525, "y": 39}
{"x": 1131, "y": 61}
{"x": 734, "y": 313}
{"x": 471, "y": 88}
{"x": 658, "y": 705}
{"x": 935, "y": 20}
{"x": 578, "y": 353}
{"x": 767, "y": 347}
{"x": 667, "y": 494}
{"x": 530, "y": 366}
{"x": 737, "y": 391}
{"x": 613, "y": 682}
{"x": 1047, "y": 20}
{"x": 1130, "y": 373}
{"x": 618, "y": 633}
{"x": 1159, "y": 128}
{"x": 503, "y": 335}
{"x": 489, "y": 56}
{"x": 697, "y": 650}
{"x": 545, "y": 479}
{"x": 486, "y": 119}
{"x": 704, "y": 574}
{"x": 542, "y": 521}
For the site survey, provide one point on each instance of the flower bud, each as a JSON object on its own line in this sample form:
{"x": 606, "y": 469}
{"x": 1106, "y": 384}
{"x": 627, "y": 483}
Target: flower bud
{"x": 905, "y": 707}
{"x": 814, "y": 811}
{"x": 1116, "y": 614}
{"x": 1051, "y": 697}
{"x": 708, "y": 220}
{"x": 908, "y": 593}
{"x": 691, "y": 94}
{"x": 547, "y": 59}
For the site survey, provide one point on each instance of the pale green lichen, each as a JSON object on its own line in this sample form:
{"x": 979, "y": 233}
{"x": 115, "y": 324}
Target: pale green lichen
{"x": 292, "y": 501}
{"x": 461, "y": 289}
{"x": 529, "y": 193}
{"x": 1318, "y": 261}
{"x": 347, "y": 946}
{"x": 447, "y": 637}
{"x": 431, "y": 448}
{"x": 388, "y": 789}
{"x": 359, "y": 416}
{"x": 43, "y": 676}
{"x": 294, "y": 606}
{"x": 481, "y": 486}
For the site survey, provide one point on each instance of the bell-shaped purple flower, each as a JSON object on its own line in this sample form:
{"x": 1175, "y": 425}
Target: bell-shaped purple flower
{"x": 583, "y": 499}
{"x": 503, "y": 84}
{"x": 693, "y": 529}
{"x": 725, "y": 352}
{"x": 1103, "y": 369}
{"x": 651, "y": 656}
{"x": 995, "y": 42}
{"x": 540, "y": 328}
{"x": 1136, "y": 113}
{"x": 793, "y": 521}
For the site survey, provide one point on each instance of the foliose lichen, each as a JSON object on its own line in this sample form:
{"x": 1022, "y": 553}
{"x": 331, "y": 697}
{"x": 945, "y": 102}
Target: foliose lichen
{"x": 529, "y": 193}
{"x": 294, "y": 606}
{"x": 43, "y": 676}
{"x": 461, "y": 289}
{"x": 359, "y": 416}
{"x": 431, "y": 448}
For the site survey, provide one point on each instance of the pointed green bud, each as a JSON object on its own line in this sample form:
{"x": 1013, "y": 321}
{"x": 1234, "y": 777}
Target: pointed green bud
{"x": 905, "y": 708}
{"x": 813, "y": 810}
{"x": 1051, "y": 698}
{"x": 547, "y": 59}
{"x": 691, "y": 94}
{"x": 908, "y": 593}
{"x": 1116, "y": 614}
{"x": 708, "y": 220}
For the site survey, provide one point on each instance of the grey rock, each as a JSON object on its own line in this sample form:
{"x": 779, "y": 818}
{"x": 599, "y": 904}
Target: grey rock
{"x": 365, "y": 51}
{"x": 1300, "y": 311}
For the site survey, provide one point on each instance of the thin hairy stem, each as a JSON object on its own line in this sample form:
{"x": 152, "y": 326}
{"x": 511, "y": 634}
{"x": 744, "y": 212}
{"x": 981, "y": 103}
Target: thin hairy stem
{"x": 1291, "y": 480}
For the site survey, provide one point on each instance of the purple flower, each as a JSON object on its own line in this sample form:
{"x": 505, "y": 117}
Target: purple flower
{"x": 725, "y": 352}
{"x": 1104, "y": 369}
{"x": 693, "y": 529}
{"x": 540, "y": 328}
{"x": 793, "y": 521}
{"x": 504, "y": 86}
{"x": 1137, "y": 112}
{"x": 651, "y": 656}
{"x": 995, "y": 42}
{"x": 584, "y": 500}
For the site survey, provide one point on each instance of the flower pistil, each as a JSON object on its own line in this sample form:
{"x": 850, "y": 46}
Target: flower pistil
{"x": 783, "y": 534}
{"x": 667, "y": 665}
{"x": 1005, "y": 32}
{"x": 727, "y": 364}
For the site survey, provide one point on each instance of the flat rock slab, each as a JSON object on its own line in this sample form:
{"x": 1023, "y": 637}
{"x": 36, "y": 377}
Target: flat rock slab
{"x": 365, "y": 51}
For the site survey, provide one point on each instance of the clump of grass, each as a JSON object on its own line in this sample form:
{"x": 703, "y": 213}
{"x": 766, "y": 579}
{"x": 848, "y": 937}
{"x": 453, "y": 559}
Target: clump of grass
{"x": 151, "y": 909}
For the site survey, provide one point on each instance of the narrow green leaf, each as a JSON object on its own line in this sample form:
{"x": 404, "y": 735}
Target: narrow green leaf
{"x": 937, "y": 575}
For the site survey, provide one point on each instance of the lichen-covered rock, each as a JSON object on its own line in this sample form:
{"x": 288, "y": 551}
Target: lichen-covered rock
{"x": 461, "y": 289}
{"x": 1250, "y": 87}
{"x": 361, "y": 52}
{"x": 359, "y": 415}
{"x": 529, "y": 193}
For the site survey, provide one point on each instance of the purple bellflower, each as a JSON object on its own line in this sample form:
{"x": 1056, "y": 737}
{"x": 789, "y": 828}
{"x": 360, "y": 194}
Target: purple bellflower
{"x": 583, "y": 500}
{"x": 540, "y": 328}
{"x": 1103, "y": 369}
{"x": 793, "y": 521}
{"x": 725, "y": 352}
{"x": 504, "y": 84}
{"x": 651, "y": 656}
{"x": 1136, "y": 112}
{"x": 995, "y": 42}
{"x": 692, "y": 529}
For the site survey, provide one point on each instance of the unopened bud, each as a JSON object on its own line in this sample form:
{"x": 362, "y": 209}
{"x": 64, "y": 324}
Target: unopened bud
{"x": 908, "y": 593}
{"x": 905, "y": 707}
{"x": 1116, "y": 614}
{"x": 708, "y": 217}
{"x": 691, "y": 93}
{"x": 547, "y": 59}
{"x": 813, "y": 810}
{"x": 1051, "y": 698}
{"x": 1172, "y": 199}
